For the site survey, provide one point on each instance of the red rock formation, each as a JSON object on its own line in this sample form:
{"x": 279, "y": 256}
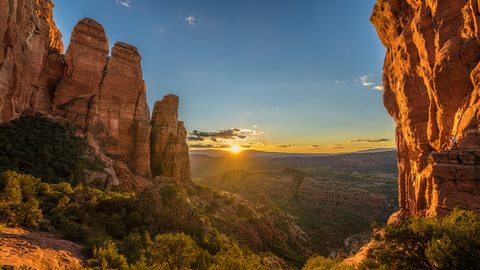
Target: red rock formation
{"x": 169, "y": 149}
{"x": 431, "y": 80}
{"x": 104, "y": 96}
{"x": 85, "y": 59}
{"x": 27, "y": 35}
{"x": 119, "y": 114}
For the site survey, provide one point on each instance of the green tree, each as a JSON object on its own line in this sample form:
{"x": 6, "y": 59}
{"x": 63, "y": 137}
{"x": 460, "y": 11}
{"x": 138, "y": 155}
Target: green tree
{"x": 30, "y": 214}
{"x": 11, "y": 192}
{"x": 231, "y": 256}
{"x": 322, "y": 263}
{"x": 172, "y": 251}
{"x": 106, "y": 257}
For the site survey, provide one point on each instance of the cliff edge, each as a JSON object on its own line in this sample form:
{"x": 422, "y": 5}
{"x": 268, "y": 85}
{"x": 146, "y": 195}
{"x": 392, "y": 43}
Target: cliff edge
{"x": 431, "y": 79}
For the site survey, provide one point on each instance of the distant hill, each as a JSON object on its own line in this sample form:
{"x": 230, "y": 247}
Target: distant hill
{"x": 208, "y": 162}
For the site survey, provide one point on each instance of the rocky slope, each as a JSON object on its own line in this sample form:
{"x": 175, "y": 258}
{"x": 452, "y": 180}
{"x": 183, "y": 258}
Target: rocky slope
{"x": 38, "y": 250}
{"x": 432, "y": 83}
{"x": 334, "y": 209}
{"x": 101, "y": 91}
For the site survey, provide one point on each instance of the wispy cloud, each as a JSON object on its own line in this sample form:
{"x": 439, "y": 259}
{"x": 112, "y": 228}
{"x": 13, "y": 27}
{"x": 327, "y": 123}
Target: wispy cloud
{"x": 159, "y": 28}
{"x": 209, "y": 146}
{"x": 224, "y": 134}
{"x": 125, "y": 3}
{"x": 340, "y": 83}
{"x": 284, "y": 146}
{"x": 191, "y": 20}
{"x": 370, "y": 140}
{"x": 366, "y": 81}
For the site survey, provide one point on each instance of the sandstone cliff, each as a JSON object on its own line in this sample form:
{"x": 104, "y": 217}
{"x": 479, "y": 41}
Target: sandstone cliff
{"x": 28, "y": 36}
{"x": 432, "y": 83}
{"x": 169, "y": 141}
{"x": 102, "y": 92}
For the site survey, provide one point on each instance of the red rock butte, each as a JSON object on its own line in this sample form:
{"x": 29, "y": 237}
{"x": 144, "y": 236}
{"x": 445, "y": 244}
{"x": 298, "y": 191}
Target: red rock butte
{"x": 103, "y": 93}
{"x": 432, "y": 83}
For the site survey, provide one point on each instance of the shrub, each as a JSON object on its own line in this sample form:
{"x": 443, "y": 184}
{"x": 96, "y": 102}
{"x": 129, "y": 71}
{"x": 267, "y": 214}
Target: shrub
{"x": 430, "y": 243}
{"x": 107, "y": 257}
{"x": 231, "y": 256}
{"x": 47, "y": 150}
{"x": 322, "y": 263}
{"x": 173, "y": 251}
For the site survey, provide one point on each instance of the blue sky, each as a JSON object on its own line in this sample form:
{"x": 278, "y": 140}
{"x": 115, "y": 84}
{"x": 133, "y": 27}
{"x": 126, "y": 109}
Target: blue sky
{"x": 293, "y": 76}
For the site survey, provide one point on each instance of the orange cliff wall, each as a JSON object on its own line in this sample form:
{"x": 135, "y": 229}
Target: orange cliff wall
{"x": 432, "y": 83}
{"x": 103, "y": 94}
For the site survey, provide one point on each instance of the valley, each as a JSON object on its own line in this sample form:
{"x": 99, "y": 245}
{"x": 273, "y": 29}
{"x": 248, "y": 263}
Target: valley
{"x": 335, "y": 207}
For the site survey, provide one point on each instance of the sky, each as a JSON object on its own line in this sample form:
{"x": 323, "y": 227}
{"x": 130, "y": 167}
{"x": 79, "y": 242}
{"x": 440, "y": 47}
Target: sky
{"x": 272, "y": 75}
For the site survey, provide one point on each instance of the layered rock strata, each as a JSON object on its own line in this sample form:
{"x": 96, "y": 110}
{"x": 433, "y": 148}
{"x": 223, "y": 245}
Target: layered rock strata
{"x": 169, "y": 147}
{"x": 102, "y": 92}
{"x": 28, "y": 37}
{"x": 431, "y": 79}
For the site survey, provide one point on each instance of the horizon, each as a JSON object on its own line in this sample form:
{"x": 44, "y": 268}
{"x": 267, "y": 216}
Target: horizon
{"x": 255, "y": 77}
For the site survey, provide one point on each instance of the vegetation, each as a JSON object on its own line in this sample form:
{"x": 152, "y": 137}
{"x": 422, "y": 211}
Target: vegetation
{"x": 322, "y": 263}
{"x": 47, "y": 150}
{"x": 116, "y": 228}
{"x": 331, "y": 206}
{"x": 430, "y": 243}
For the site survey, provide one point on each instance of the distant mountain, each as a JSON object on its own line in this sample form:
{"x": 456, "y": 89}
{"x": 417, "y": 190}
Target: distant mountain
{"x": 210, "y": 162}
{"x": 256, "y": 153}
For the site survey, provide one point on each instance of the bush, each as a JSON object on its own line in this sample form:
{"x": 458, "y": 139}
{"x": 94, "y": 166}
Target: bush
{"x": 231, "y": 256}
{"x": 322, "y": 263}
{"x": 47, "y": 150}
{"x": 19, "y": 204}
{"x": 107, "y": 257}
{"x": 172, "y": 251}
{"x": 430, "y": 243}
{"x": 116, "y": 227}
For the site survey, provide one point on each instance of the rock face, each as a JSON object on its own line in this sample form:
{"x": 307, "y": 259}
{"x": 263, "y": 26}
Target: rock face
{"x": 85, "y": 62}
{"x": 168, "y": 141}
{"x": 103, "y": 94}
{"x": 28, "y": 36}
{"x": 432, "y": 83}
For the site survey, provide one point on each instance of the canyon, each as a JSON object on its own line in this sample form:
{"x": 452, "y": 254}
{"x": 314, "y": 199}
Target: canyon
{"x": 431, "y": 81}
{"x": 100, "y": 91}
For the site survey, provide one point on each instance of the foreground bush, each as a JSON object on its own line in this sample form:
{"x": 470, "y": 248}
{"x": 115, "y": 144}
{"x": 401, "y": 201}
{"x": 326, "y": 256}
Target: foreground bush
{"x": 116, "y": 228}
{"x": 322, "y": 263}
{"x": 430, "y": 243}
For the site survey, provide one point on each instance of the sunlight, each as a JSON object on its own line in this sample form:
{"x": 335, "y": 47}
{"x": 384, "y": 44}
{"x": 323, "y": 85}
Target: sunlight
{"x": 235, "y": 149}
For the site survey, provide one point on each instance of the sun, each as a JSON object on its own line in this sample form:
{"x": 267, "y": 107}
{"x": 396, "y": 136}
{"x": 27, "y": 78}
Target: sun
{"x": 235, "y": 149}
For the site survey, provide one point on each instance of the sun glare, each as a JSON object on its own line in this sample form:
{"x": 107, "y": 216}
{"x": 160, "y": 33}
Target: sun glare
{"x": 235, "y": 149}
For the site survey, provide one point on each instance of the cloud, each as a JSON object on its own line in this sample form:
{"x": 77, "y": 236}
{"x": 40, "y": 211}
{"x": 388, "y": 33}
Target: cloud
{"x": 191, "y": 20}
{"x": 340, "y": 83}
{"x": 195, "y": 139}
{"x": 209, "y": 146}
{"x": 125, "y": 3}
{"x": 316, "y": 146}
{"x": 223, "y": 134}
{"x": 159, "y": 28}
{"x": 284, "y": 146}
{"x": 366, "y": 81}
{"x": 370, "y": 140}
